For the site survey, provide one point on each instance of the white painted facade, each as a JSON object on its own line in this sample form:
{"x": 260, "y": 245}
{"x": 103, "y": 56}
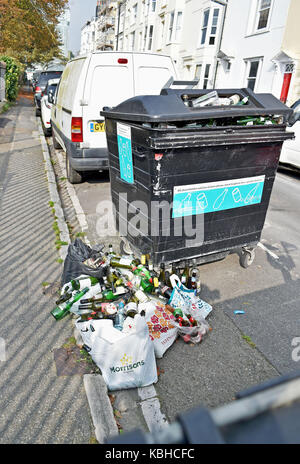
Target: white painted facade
{"x": 187, "y": 30}
{"x": 88, "y": 37}
{"x": 254, "y": 52}
{"x": 233, "y": 44}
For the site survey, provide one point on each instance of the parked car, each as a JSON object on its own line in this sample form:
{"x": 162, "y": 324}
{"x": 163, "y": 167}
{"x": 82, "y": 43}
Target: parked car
{"x": 290, "y": 153}
{"x": 41, "y": 85}
{"x": 89, "y": 83}
{"x": 35, "y": 78}
{"x": 46, "y": 105}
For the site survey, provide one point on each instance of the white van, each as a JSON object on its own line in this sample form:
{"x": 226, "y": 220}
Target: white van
{"x": 91, "y": 82}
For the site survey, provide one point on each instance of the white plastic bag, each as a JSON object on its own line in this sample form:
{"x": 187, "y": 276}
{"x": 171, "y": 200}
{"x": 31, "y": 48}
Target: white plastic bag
{"x": 161, "y": 326}
{"x": 188, "y": 301}
{"x": 128, "y": 361}
{"x": 89, "y": 329}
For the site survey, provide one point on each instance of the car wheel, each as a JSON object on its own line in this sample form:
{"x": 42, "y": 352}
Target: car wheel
{"x": 74, "y": 177}
{"x": 37, "y": 112}
{"x": 55, "y": 142}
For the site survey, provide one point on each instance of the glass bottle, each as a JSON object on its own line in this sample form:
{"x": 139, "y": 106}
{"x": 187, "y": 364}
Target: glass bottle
{"x": 62, "y": 310}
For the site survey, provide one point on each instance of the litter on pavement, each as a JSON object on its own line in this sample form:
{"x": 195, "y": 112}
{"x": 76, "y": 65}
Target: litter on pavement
{"x": 127, "y": 313}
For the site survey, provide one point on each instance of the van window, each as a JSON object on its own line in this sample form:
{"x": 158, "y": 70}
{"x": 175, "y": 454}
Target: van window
{"x": 150, "y": 80}
{"x": 68, "y": 83}
{"x": 110, "y": 86}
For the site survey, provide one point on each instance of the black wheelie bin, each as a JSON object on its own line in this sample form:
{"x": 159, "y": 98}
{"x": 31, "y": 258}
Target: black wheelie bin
{"x": 178, "y": 169}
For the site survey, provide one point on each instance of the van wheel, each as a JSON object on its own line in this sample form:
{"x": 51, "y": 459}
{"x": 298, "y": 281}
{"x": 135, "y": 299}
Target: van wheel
{"x": 74, "y": 177}
{"x": 55, "y": 142}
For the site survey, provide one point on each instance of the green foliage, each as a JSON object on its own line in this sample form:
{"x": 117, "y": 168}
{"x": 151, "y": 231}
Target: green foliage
{"x": 12, "y": 75}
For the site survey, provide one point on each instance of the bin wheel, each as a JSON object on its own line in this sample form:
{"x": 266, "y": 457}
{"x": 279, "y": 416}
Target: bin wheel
{"x": 125, "y": 248}
{"x": 247, "y": 258}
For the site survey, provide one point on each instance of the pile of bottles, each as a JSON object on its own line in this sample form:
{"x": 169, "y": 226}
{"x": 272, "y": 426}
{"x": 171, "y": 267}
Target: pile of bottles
{"x": 213, "y": 99}
{"x": 127, "y": 282}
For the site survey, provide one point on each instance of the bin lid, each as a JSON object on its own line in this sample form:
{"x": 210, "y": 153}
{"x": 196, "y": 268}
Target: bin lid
{"x": 169, "y": 106}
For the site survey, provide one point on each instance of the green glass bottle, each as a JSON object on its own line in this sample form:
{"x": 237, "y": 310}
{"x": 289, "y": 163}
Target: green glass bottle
{"x": 88, "y": 281}
{"x": 162, "y": 274}
{"x": 185, "y": 274}
{"x": 123, "y": 263}
{"x": 64, "y": 297}
{"x": 62, "y": 310}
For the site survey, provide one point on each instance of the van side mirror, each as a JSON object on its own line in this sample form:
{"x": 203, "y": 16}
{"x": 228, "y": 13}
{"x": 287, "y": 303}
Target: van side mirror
{"x": 51, "y": 97}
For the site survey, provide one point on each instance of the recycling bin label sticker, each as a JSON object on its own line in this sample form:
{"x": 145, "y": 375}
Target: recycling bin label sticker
{"x": 125, "y": 152}
{"x": 217, "y": 196}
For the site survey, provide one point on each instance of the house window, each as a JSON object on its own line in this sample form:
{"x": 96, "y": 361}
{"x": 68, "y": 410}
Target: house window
{"x": 204, "y": 26}
{"x": 252, "y": 73}
{"x": 198, "y": 71}
{"x": 263, "y": 14}
{"x": 162, "y": 33}
{"x": 153, "y": 5}
{"x": 150, "y": 37}
{"x": 134, "y": 13}
{"x": 147, "y": 6}
{"x": 213, "y": 30}
{"x": 145, "y": 38}
{"x": 178, "y": 25}
{"x": 206, "y": 76}
{"x": 132, "y": 38}
{"x": 175, "y": 20}
{"x": 171, "y": 25}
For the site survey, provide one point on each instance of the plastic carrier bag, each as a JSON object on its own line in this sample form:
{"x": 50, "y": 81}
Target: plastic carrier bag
{"x": 188, "y": 301}
{"x": 74, "y": 266}
{"x": 190, "y": 304}
{"x": 162, "y": 330}
{"x": 125, "y": 360}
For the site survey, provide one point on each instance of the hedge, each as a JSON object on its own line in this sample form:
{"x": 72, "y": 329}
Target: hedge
{"x": 12, "y": 75}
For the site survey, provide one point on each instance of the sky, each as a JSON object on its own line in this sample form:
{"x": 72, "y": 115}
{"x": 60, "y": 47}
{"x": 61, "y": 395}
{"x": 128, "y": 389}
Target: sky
{"x": 81, "y": 11}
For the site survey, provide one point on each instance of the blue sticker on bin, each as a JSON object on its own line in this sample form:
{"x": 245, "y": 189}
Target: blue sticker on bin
{"x": 125, "y": 152}
{"x": 209, "y": 197}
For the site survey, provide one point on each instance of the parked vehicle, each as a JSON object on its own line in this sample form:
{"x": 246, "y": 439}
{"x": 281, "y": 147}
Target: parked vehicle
{"x": 41, "y": 85}
{"x": 290, "y": 153}
{"x": 35, "y": 78}
{"x": 46, "y": 105}
{"x": 87, "y": 85}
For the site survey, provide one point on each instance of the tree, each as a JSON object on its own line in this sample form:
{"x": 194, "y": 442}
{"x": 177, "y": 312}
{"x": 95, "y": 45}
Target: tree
{"x": 28, "y": 29}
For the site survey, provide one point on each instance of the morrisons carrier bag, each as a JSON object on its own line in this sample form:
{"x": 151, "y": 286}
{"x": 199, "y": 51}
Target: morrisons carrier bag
{"x": 126, "y": 360}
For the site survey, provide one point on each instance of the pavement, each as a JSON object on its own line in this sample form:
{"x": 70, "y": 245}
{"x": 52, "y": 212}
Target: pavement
{"x": 36, "y": 405}
{"x": 240, "y": 351}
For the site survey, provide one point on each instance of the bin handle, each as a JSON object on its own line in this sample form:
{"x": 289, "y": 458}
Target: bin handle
{"x": 121, "y": 181}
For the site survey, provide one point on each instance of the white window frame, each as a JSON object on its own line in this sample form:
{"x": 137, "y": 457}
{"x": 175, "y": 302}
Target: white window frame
{"x": 161, "y": 35}
{"x": 198, "y": 67}
{"x": 150, "y": 37}
{"x": 203, "y": 27}
{"x": 145, "y": 38}
{"x": 211, "y": 26}
{"x": 132, "y": 40}
{"x": 206, "y": 78}
{"x": 175, "y": 29}
{"x": 248, "y": 62}
{"x": 134, "y": 13}
{"x": 171, "y": 25}
{"x": 257, "y": 16}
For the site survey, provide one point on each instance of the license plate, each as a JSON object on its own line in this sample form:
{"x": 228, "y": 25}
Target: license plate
{"x": 97, "y": 126}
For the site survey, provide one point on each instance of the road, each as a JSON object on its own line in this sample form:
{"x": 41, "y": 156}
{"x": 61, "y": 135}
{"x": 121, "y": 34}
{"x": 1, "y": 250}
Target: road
{"x": 242, "y": 350}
